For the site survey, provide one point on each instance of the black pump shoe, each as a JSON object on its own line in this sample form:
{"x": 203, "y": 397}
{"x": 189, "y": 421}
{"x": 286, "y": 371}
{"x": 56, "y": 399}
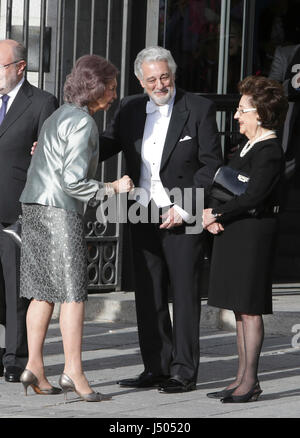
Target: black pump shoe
{"x": 252, "y": 395}
{"x": 221, "y": 394}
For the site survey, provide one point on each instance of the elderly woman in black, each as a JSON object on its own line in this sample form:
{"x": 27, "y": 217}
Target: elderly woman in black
{"x": 60, "y": 183}
{"x": 245, "y": 231}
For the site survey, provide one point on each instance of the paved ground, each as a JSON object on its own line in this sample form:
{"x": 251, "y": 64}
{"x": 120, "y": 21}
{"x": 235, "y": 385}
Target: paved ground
{"x": 110, "y": 352}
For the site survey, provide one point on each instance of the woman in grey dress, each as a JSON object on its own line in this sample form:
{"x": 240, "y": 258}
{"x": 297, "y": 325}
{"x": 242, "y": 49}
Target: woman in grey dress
{"x": 59, "y": 185}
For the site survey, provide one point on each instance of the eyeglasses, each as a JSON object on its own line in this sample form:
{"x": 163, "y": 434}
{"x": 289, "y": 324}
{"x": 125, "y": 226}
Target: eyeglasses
{"x": 163, "y": 79}
{"x": 14, "y": 62}
{"x": 245, "y": 110}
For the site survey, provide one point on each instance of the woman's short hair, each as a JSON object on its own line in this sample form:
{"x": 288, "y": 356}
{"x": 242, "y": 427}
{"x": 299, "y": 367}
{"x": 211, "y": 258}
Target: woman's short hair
{"x": 87, "y": 81}
{"x": 267, "y": 96}
{"x": 154, "y": 53}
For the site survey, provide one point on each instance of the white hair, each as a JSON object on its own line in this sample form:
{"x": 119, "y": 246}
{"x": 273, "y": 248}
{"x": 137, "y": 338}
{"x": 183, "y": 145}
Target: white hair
{"x": 154, "y": 53}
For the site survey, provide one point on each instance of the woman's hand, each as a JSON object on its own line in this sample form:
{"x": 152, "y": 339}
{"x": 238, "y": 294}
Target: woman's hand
{"x": 215, "y": 228}
{"x": 207, "y": 217}
{"x": 123, "y": 185}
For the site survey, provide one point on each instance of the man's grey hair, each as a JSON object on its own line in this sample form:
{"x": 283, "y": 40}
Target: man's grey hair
{"x": 154, "y": 53}
{"x": 20, "y": 52}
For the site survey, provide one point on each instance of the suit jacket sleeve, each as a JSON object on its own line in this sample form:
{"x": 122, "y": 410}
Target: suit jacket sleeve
{"x": 265, "y": 173}
{"x": 278, "y": 66}
{"x": 209, "y": 149}
{"x": 47, "y": 109}
{"x": 109, "y": 141}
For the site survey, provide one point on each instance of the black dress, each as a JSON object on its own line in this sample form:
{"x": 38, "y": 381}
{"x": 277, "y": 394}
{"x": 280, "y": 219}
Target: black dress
{"x": 242, "y": 256}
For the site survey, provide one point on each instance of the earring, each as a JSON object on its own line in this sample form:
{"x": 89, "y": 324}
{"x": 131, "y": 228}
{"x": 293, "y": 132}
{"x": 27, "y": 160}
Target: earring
{"x": 258, "y": 123}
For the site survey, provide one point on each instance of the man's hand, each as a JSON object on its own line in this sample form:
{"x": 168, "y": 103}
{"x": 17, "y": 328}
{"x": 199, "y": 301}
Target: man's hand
{"x": 33, "y": 147}
{"x": 171, "y": 219}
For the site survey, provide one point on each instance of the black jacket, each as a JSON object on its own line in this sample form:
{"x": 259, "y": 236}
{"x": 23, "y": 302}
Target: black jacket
{"x": 185, "y": 164}
{"x": 18, "y": 131}
{"x": 264, "y": 164}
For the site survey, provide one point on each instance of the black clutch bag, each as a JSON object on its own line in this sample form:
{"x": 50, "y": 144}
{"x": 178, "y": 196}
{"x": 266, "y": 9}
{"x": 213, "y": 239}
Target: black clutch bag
{"x": 15, "y": 230}
{"x": 228, "y": 183}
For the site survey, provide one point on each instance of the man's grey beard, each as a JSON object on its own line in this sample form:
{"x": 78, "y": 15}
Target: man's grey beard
{"x": 162, "y": 100}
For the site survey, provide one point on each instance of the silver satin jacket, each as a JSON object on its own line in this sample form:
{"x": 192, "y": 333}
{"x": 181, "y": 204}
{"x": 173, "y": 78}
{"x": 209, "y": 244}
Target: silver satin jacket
{"x": 65, "y": 161}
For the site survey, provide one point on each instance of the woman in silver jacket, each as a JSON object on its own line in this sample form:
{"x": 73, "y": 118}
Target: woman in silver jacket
{"x": 59, "y": 185}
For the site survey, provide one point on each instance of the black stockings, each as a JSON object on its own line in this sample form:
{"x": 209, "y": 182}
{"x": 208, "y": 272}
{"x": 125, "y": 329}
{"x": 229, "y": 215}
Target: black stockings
{"x": 250, "y": 336}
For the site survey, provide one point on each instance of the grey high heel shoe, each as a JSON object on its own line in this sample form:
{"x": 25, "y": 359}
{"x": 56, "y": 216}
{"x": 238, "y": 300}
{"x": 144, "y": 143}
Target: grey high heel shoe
{"x": 27, "y": 378}
{"x": 68, "y": 385}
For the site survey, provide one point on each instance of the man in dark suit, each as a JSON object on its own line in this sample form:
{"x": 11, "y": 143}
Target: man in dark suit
{"x": 286, "y": 58}
{"x": 170, "y": 140}
{"x": 23, "y": 110}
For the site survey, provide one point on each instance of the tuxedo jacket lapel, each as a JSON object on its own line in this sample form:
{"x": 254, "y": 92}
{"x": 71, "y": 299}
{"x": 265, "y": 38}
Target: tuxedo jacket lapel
{"x": 140, "y": 120}
{"x": 19, "y": 105}
{"x": 179, "y": 116}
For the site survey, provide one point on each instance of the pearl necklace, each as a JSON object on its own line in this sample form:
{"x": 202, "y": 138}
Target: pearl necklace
{"x": 248, "y": 146}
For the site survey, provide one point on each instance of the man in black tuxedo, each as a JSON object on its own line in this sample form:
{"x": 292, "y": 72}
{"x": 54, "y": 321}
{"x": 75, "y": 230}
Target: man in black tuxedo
{"x": 23, "y": 110}
{"x": 170, "y": 140}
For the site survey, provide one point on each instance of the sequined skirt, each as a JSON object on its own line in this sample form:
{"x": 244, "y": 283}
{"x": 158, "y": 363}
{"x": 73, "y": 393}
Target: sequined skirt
{"x": 53, "y": 255}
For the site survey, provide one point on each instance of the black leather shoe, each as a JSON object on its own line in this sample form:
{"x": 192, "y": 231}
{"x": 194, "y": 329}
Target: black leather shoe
{"x": 12, "y": 374}
{"x": 2, "y": 351}
{"x": 144, "y": 380}
{"x": 177, "y": 384}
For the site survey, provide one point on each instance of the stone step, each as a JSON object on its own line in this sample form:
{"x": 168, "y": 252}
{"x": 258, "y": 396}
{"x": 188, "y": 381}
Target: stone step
{"x": 120, "y": 307}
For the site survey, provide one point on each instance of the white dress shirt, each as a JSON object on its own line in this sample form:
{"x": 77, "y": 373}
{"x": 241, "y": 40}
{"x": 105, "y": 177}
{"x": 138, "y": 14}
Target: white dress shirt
{"x": 12, "y": 94}
{"x": 155, "y": 131}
